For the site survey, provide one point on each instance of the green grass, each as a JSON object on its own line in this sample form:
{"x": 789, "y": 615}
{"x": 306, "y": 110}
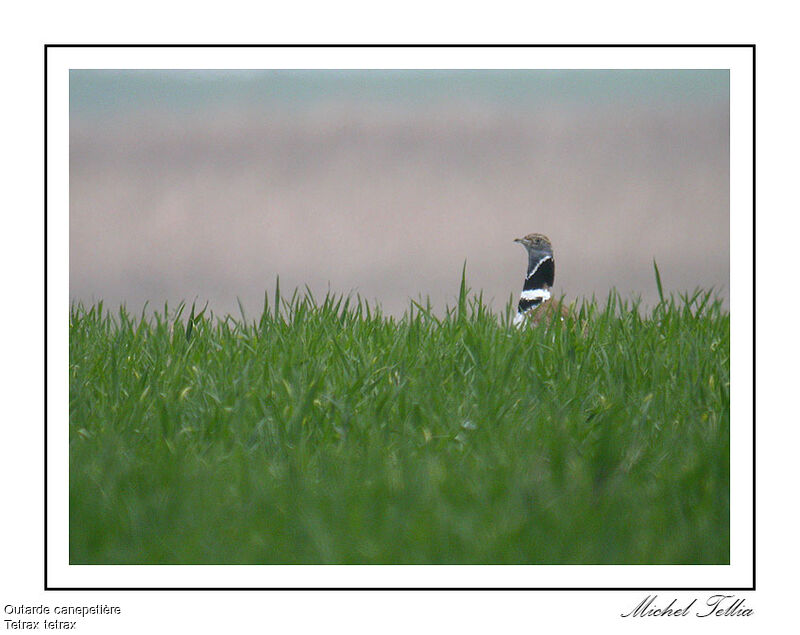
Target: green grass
{"x": 326, "y": 432}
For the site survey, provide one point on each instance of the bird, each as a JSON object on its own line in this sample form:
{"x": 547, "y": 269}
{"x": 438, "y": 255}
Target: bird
{"x": 535, "y": 306}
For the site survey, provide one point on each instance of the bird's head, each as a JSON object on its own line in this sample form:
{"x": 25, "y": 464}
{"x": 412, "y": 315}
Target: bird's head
{"x": 536, "y": 243}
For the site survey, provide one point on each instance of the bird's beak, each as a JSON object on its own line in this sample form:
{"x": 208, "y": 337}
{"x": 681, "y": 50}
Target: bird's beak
{"x": 518, "y": 240}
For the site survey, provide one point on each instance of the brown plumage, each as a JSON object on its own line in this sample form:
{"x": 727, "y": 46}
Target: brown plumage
{"x": 547, "y": 313}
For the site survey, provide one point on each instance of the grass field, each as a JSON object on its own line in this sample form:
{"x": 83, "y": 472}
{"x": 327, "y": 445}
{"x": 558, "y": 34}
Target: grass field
{"x": 326, "y": 432}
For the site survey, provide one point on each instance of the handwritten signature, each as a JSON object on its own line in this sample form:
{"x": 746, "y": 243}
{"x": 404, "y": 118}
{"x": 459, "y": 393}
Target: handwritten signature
{"x": 715, "y": 606}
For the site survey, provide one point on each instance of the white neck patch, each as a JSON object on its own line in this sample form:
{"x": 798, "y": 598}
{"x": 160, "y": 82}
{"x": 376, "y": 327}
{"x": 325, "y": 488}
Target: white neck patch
{"x": 535, "y": 294}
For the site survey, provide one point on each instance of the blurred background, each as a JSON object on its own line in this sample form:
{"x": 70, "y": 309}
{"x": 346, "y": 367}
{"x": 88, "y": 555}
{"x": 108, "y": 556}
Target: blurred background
{"x": 206, "y": 185}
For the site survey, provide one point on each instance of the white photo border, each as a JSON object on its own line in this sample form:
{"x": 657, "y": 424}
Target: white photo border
{"x": 738, "y": 575}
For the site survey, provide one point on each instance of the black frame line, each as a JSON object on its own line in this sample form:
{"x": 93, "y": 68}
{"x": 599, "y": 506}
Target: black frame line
{"x": 558, "y": 589}
{"x": 45, "y": 317}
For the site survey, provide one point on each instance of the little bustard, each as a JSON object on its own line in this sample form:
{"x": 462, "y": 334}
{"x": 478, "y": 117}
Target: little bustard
{"x": 534, "y": 305}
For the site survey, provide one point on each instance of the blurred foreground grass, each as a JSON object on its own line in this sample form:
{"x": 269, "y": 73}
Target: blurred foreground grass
{"x": 326, "y": 432}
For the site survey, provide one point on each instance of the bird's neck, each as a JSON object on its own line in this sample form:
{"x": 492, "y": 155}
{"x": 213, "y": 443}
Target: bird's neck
{"x": 533, "y": 260}
{"x": 538, "y": 281}
{"x": 541, "y": 272}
